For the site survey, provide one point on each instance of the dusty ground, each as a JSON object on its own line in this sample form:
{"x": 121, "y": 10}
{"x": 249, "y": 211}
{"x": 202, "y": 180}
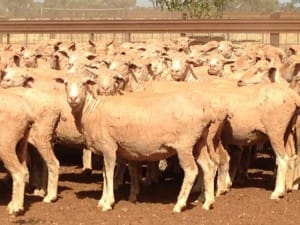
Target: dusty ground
{"x": 78, "y": 196}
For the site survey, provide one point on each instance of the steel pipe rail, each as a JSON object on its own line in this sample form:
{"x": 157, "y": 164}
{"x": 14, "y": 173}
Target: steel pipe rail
{"x": 139, "y": 25}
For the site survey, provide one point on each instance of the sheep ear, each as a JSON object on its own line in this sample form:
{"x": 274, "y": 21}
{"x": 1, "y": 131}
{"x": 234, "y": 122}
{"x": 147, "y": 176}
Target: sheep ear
{"x": 272, "y": 74}
{"x": 28, "y": 81}
{"x": 22, "y": 49}
{"x": 229, "y": 61}
{"x": 88, "y": 80}
{"x": 296, "y": 69}
{"x": 2, "y": 74}
{"x": 64, "y": 53}
{"x": 17, "y": 60}
{"x": 60, "y": 80}
{"x": 38, "y": 55}
{"x": 119, "y": 77}
{"x": 91, "y": 56}
{"x": 72, "y": 46}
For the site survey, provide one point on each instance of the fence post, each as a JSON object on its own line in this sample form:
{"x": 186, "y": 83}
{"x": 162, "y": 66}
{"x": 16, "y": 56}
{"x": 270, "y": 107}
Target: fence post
{"x": 92, "y": 36}
{"x": 8, "y": 38}
{"x": 127, "y": 37}
{"x": 275, "y": 36}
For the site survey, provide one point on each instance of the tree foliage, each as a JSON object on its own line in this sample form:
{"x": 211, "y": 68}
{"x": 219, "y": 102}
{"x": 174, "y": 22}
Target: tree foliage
{"x": 195, "y": 8}
{"x": 215, "y": 8}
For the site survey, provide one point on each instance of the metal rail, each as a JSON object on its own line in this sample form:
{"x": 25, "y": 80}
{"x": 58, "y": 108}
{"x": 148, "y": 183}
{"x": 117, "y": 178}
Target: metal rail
{"x": 273, "y": 26}
{"x": 79, "y": 26}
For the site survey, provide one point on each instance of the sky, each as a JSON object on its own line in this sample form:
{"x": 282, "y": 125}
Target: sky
{"x": 144, "y": 3}
{"x": 147, "y": 3}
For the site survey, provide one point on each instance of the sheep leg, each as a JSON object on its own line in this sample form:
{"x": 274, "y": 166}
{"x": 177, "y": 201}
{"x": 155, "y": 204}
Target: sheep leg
{"x": 235, "y": 161}
{"x": 296, "y": 179}
{"x": 291, "y": 151}
{"x": 120, "y": 172}
{"x": 282, "y": 162}
{"x": 223, "y": 180}
{"x": 244, "y": 165}
{"x": 134, "y": 180}
{"x": 19, "y": 173}
{"x": 86, "y": 161}
{"x": 104, "y": 189}
{"x": 189, "y": 166}
{"x": 209, "y": 169}
{"x": 109, "y": 162}
{"x": 43, "y": 144}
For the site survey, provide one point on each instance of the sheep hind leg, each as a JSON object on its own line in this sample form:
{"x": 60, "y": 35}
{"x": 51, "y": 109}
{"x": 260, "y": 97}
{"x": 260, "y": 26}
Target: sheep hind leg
{"x": 86, "y": 161}
{"x": 134, "y": 180}
{"x": 282, "y": 162}
{"x": 296, "y": 179}
{"x": 19, "y": 173}
{"x": 291, "y": 151}
{"x": 189, "y": 166}
{"x": 209, "y": 169}
{"x": 46, "y": 151}
{"x": 223, "y": 181}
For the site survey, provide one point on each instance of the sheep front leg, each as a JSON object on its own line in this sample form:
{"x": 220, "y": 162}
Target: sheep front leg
{"x": 108, "y": 199}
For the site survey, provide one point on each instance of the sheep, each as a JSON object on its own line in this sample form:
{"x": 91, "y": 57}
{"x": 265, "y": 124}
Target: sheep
{"x": 243, "y": 130}
{"x": 45, "y": 122}
{"x": 112, "y": 125}
{"x": 18, "y": 118}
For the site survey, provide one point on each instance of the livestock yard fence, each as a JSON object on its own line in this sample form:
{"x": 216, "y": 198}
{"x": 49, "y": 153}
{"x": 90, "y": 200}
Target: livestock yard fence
{"x": 275, "y": 30}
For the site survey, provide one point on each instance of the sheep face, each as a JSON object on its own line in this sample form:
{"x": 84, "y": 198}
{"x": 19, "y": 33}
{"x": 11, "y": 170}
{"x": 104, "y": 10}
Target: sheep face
{"x": 15, "y": 77}
{"x": 76, "y": 89}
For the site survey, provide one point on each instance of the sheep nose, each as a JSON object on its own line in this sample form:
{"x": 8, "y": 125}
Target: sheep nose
{"x": 73, "y": 99}
{"x": 240, "y": 83}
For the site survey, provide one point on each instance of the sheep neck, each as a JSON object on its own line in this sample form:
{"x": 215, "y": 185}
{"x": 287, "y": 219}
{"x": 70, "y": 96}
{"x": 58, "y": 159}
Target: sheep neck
{"x": 88, "y": 107}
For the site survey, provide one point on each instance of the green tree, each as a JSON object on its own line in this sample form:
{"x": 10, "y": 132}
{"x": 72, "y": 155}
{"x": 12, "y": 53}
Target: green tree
{"x": 194, "y": 8}
{"x": 215, "y": 8}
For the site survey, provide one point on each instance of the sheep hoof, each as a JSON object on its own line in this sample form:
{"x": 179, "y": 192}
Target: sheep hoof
{"x": 208, "y": 205}
{"x": 221, "y": 192}
{"x": 276, "y": 195}
{"x": 295, "y": 187}
{"x": 39, "y": 192}
{"x": 49, "y": 199}
{"x": 132, "y": 199}
{"x": 106, "y": 208}
{"x": 177, "y": 208}
{"x": 86, "y": 172}
{"x": 14, "y": 209}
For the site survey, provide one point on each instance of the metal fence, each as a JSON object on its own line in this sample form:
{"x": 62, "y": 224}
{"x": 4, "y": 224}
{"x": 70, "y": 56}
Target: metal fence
{"x": 278, "y": 32}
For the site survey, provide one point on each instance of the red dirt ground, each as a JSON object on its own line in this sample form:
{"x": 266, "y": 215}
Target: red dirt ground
{"x": 79, "y": 194}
